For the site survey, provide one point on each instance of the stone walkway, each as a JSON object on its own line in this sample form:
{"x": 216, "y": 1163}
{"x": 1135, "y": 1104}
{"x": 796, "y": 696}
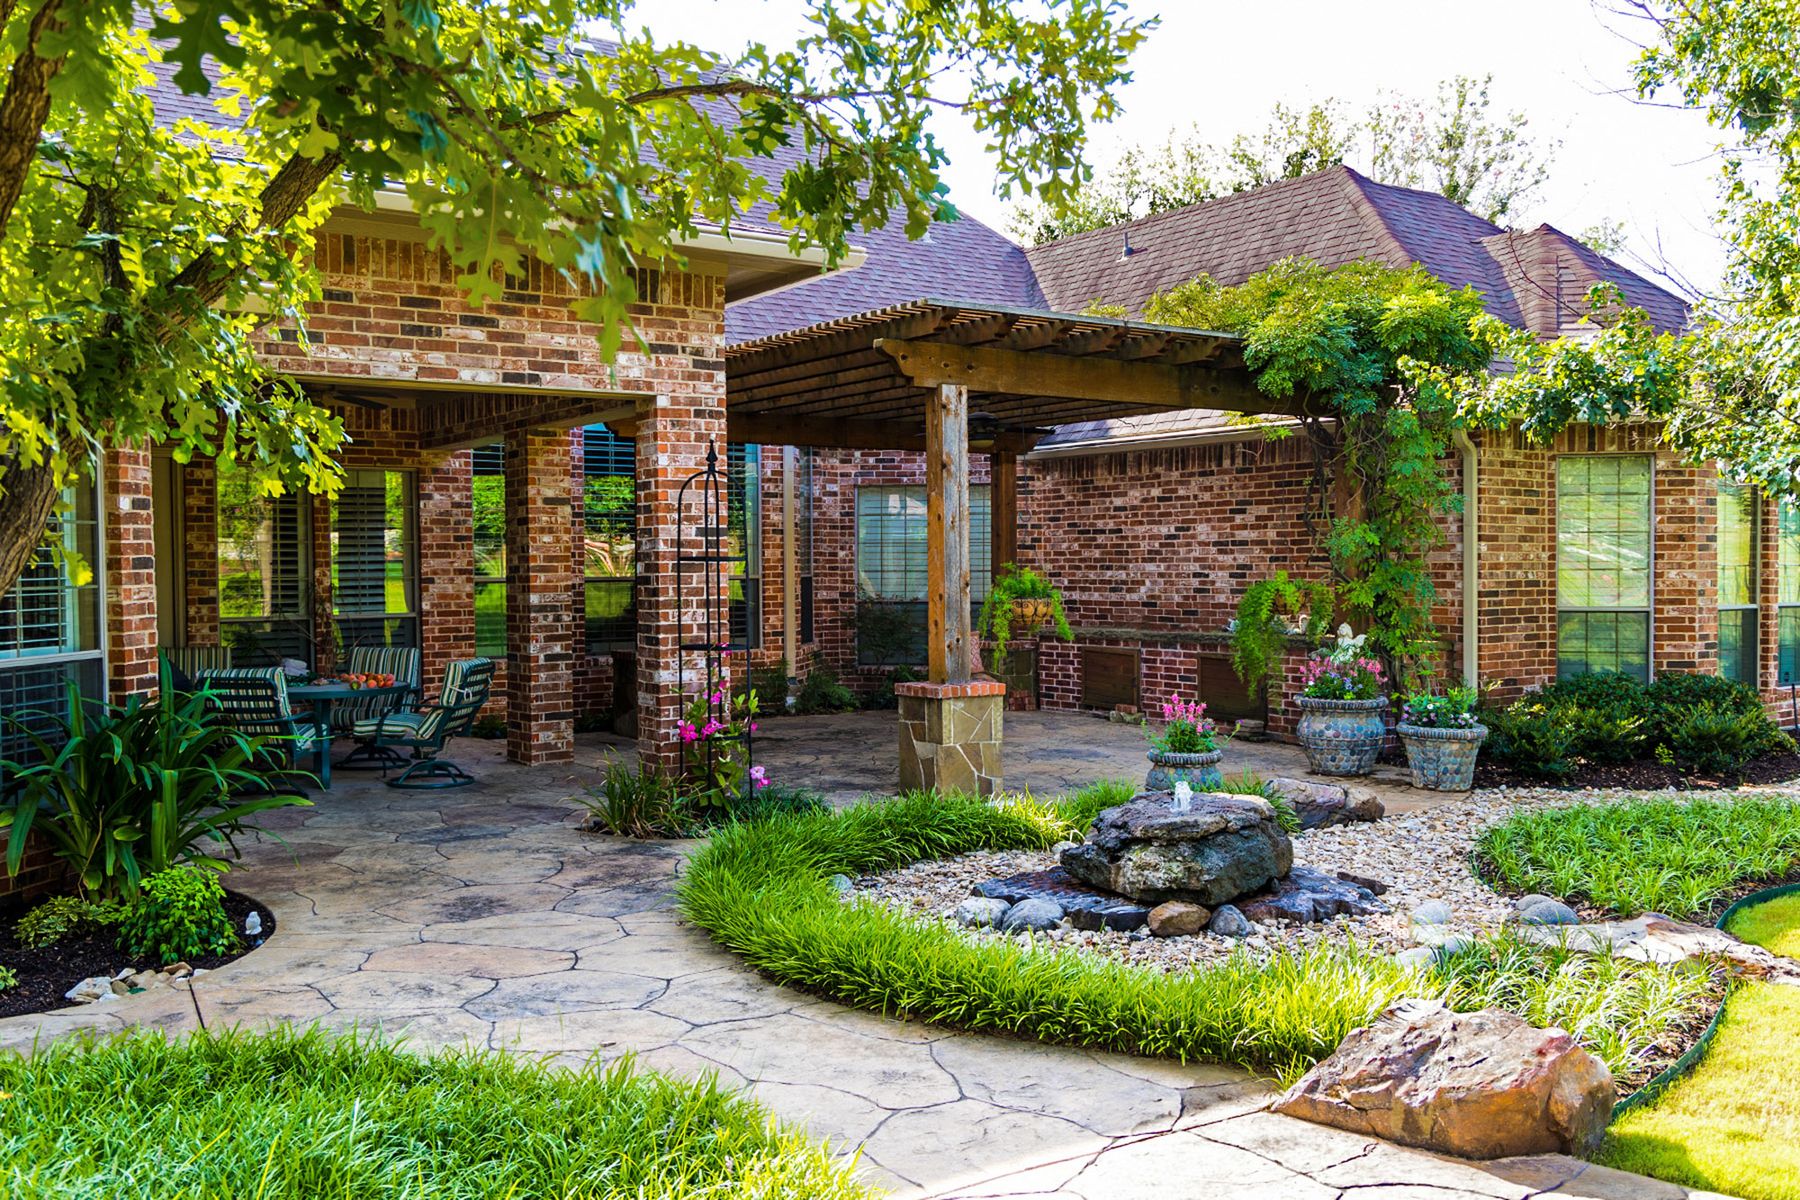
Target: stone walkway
{"x": 484, "y": 917}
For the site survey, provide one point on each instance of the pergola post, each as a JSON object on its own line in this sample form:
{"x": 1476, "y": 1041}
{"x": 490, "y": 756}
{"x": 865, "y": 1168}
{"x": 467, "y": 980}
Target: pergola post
{"x": 950, "y": 725}
{"x": 540, "y": 589}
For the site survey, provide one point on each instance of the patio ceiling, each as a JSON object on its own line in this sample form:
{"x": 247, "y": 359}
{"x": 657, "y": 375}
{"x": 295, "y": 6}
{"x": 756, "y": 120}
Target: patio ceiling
{"x": 864, "y": 381}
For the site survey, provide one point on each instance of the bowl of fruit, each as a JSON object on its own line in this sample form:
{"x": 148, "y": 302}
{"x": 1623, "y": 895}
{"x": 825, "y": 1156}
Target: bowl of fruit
{"x": 357, "y": 680}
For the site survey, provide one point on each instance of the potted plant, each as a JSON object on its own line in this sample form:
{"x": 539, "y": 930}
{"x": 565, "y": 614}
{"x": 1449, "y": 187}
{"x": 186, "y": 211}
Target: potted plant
{"x": 1019, "y": 603}
{"x": 1342, "y": 704}
{"x": 1186, "y": 748}
{"x": 1442, "y": 738}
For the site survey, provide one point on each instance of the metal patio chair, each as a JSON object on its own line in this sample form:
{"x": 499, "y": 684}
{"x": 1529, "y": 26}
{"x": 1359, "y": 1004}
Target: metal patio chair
{"x": 254, "y": 701}
{"x": 404, "y": 664}
{"x": 423, "y": 733}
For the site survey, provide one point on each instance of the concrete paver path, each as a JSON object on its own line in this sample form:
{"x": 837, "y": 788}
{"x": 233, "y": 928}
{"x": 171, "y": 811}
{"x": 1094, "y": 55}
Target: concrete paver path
{"x": 484, "y": 917}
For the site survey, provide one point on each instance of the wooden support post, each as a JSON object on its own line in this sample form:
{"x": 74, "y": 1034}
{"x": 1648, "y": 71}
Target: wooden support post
{"x": 947, "y": 534}
{"x": 1003, "y": 512}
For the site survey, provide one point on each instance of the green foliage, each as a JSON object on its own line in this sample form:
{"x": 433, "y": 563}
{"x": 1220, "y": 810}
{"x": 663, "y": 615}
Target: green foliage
{"x": 489, "y": 728}
{"x": 294, "y": 1115}
{"x": 178, "y": 916}
{"x": 8, "y": 977}
{"x": 1186, "y": 729}
{"x": 822, "y": 693}
{"x": 1265, "y": 620}
{"x": 777, "y": 800}
{"x": 1531, "y": 737}
{"x": 1381, "y": 352}
{"x": 770, "y": 684}
{"x": 64, "y": 916}
{"x": 1714, "y": 740}
{"x": 122, "y": 792}
{"x": 637, "y": 803}
{"x": 1452, "y": 708}
{"x": 1678, "y": 857}
{"x": 882, "y": 694}
{"x": 1012, "y": 584}
{"x": 141, "y": 259}
{"x": 1621, "y": 1010}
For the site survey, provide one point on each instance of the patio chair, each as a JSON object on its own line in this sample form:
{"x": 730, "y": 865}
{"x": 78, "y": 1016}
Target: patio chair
{"x": 254, "y": 701}
{"x": 188, "y": 663}
{"x": 425, "y": 731}
{"x": 403, "y": 663}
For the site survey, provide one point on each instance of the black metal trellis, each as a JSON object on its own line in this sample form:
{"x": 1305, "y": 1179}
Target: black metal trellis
{"x": 704, "y": 547}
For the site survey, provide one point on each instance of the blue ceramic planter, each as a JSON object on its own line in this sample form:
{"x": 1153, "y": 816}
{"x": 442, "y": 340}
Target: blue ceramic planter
{"x": 1342, "y": 737}
{"x": 1166, "y": 770}
{"x": 1442, "y": 759}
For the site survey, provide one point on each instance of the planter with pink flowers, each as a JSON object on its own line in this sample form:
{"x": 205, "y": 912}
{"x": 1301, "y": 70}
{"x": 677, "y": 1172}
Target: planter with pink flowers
{"x": 1343, "y": 708}
{"x": 1185, "y": 749}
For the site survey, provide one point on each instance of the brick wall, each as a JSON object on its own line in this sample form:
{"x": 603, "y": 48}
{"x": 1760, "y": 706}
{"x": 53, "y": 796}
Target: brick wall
{"x": 130, "y": 553}
{"x": 40, "y": 873}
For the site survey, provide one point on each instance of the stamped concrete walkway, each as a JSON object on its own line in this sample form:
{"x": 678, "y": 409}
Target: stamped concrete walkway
{"x": 485, "y": 917}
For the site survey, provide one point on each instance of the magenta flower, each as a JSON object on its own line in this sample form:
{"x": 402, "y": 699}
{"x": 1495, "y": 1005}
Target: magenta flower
{"x": 687, "y": 731}
{"x": 759, "y": 778}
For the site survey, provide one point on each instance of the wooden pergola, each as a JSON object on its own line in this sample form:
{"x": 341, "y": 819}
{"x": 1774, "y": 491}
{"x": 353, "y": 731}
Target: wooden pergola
{"x": 950, "y": 379}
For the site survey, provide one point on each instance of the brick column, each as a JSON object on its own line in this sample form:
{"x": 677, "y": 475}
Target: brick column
{"x": 200, "y": 561}
{"x": 540, "y": 612}
{"x": 130, "y": 554}
{"x": 446, "y": 565}
{"x": 673, "y": 433}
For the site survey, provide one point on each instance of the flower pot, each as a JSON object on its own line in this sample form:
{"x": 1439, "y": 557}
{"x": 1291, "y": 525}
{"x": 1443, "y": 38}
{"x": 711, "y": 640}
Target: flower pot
{"x": 1168, "y": 769}
{"x": 1342, "y": 737}
{"x": 1442, "y": 759}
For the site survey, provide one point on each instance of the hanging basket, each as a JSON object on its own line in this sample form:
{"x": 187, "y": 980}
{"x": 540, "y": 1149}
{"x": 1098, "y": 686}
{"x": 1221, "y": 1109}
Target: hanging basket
{"x": 1030, "y": 615}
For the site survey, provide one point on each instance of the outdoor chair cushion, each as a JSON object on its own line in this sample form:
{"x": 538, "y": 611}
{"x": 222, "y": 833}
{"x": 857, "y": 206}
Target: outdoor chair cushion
{"x": 257, "y": 716}
{"x": 402, "y": 662}
{"x": 413, "y": 726}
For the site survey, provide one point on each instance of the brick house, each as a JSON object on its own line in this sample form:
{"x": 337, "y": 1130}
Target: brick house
{"x": 1602, "y": 551}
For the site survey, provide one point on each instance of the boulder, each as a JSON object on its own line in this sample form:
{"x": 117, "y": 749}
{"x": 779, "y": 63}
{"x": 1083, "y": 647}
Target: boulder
{"x": 980, "y": 912}
{"x": 1319, "y": 804}
{"x": 1032, "y": 916}
{"x": 1082, "y": 907}
{"x": 1229, "y": 921}
{"x": 1307, "y": 895}
{"x": 1549, "y": 912}
{"x": 1177, "y": 918}
{"x": 1432, "y": 912}
{"x": 1479, "y": 1085}
{"x": 1223, "y": 847}
{"x": 1655, "y": 938}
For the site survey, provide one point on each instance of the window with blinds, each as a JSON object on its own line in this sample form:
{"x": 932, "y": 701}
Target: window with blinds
{"x": 609, "y": 539}
{"x": 891, "y": 570}
{"x": 1737, "y": 583}
{"x": 1603, "y": 564}
{"x": 374, "y": 559}
{"x": 264, "y": 561}
{"x": 489, "y": 487}
{"x": 50, "y": 627}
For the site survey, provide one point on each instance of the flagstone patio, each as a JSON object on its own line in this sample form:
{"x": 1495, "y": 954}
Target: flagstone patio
{"x": 485, "y": 917}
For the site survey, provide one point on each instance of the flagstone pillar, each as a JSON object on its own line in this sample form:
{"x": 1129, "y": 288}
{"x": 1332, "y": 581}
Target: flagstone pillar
{"x": 130, "y": 572}
{"x": 540, "y": 589}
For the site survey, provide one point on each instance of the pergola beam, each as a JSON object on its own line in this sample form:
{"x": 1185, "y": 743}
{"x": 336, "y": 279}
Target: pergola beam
{"x": 839, "y": 433}
{"x": 983, "y": 369}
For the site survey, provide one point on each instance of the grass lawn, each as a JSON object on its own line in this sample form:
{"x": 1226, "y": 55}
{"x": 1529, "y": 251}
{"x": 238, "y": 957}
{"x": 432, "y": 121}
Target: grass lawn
{"x": 1729, "y": 1126}
{"x": 295, "y": 1116}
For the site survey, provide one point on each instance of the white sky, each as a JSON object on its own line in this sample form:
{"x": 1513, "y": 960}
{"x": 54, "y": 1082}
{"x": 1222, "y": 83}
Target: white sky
{"x": 1223, "y": 65}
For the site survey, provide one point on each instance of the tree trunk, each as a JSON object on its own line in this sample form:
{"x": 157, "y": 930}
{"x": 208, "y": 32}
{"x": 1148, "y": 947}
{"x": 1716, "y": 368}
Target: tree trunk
{"x": 27, "y": 502}
{"x": 23, "y": 110}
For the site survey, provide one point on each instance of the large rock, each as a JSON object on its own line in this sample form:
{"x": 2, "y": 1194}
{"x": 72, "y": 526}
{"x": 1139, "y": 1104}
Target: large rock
{"x": 1306, "y": 895}
{"x": 1033, "y": 916}
{"x": 1479, "y": 1085}
{"x": 1223, "y": 847}
{"x": 1654, "y": 938}
{"x": 1318, "y": 804}
{"x": 1178, "y": 918}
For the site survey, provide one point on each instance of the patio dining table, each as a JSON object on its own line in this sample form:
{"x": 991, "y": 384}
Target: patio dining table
{"x": 322, "y": 696}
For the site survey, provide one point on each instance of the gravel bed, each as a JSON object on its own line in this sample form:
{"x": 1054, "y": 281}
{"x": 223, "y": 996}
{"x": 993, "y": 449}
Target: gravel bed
{"x": 1421, "y": 856}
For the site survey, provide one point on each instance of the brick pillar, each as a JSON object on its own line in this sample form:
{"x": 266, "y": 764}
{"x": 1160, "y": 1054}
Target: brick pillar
{"x": 673, "y": 433}
{"x": 130, "y": 555}
{"x": 540, "y": 612}
{"x": 200, "y": 559}
{"x": 446, "y": 564}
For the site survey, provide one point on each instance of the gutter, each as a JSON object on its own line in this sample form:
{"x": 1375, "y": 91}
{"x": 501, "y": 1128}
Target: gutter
{"x": 1471, "y": 556}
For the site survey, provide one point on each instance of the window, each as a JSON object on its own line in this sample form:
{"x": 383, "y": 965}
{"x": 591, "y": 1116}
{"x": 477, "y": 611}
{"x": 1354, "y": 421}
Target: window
{"x": 374, "y": 559}
{"x": 743, "y": 504}
{"x": 489, "y": 487}
{"x": 264, "y": 560}
{"x": 891, "y": 569}
{"x": 1603, "y": 565}
{"x": 50, "y": 627}
{"x": 609, "y": 513}
{"x": 1787, "y": 597}
{"x": 1737, "y": 583}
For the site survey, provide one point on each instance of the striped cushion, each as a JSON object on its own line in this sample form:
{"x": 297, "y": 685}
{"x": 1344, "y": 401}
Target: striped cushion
{"x": 260, "y": 714}
{"x": 413, "y": 726}
{"x": 194, "y": 661}
{"x": 402, "y": 662}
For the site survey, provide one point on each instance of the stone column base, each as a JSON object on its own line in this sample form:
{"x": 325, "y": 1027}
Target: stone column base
{"x": 950, "y": 736}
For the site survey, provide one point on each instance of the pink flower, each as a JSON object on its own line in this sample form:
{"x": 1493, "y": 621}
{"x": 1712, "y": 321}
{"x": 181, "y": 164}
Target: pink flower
{"x": 687, "y": 731}
{"x": 758, "y": 777}
{"x": 710, "y": 728}
{"x": 753, "y": 727}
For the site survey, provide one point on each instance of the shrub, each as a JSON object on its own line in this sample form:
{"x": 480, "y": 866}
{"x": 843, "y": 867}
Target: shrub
{"x": 1608, "y": 715}
{"x": 770, "y": 686}
{"x": 123, "y": 792}
{"x": 9, "y": 978}
{"x": 180, "y": 916}
{"x": 1531, "y": 738}
{"x": 288, "y": 1115}
{"x": 1678, "y": 857}
{"x": 822, "y": 693}
{"x": 637, "y": 803}
{"x": 882, "y": 695}
{"x": 64, "y": 916}
{"x": 1719, "y": 741}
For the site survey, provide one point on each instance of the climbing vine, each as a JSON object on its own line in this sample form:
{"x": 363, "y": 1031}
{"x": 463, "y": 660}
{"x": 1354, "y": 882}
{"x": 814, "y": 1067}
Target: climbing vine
{"x": 1268, "y": 615}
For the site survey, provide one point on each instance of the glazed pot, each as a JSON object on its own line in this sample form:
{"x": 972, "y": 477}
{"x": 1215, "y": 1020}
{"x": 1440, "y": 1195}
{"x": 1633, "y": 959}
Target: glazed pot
{"x": 1442, "y": 759}
{"x": 1167, "y": 769}
{"x": 1342, "y": 737}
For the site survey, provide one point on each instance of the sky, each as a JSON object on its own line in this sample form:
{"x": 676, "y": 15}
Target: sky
{"x": 1222, "y": 66}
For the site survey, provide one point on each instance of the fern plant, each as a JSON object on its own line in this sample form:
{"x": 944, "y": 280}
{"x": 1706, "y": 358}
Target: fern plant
{"x": 1260, "y": 633}
{"x": 1011, "y": 585}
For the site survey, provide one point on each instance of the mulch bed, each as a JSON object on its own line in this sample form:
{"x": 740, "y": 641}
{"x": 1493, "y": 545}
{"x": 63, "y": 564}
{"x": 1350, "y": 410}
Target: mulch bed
{"x": 46, "y": 975}
{"x": 1644, "y": 775}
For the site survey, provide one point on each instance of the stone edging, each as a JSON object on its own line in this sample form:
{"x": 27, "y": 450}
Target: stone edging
{"x": 1659, "y": 1083}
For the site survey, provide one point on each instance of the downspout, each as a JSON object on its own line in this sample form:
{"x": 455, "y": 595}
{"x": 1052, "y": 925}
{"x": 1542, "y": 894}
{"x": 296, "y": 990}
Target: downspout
{"x": 1471, "y": 556}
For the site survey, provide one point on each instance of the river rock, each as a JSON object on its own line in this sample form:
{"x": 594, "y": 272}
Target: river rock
{"x": 1307, "y": 895}
{"x": 1032, "y": 916}
{"x": 1223, "y": 847}
{"x": 980, "y": 912}
{"x": 1318, "y": 804}
{"x": 1479, "y": 1085}
{"x": 1432, "y": 912}
{"x": 1549, "y": 912}
{"x": 1655, "y": 938}
{"x": 1177, "y": 918}
{"x": 1229, "y": 921}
